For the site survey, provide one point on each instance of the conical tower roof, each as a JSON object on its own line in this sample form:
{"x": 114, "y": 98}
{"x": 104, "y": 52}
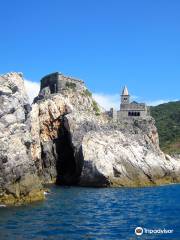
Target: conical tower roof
{"x": 125, "y": 91}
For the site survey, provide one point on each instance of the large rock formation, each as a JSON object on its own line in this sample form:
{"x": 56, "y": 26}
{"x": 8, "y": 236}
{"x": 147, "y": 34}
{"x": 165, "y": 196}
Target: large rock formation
{"x": 53, "y": 150}
{"x": 74, "y": 143}
{"x": 128, "y": 157}
{"x": 18, "y": 175}
{"x": 65, "y": 138}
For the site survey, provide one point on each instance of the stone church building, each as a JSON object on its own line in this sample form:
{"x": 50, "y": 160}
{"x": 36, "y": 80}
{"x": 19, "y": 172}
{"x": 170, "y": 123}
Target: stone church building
{"x": 129, "y": 110}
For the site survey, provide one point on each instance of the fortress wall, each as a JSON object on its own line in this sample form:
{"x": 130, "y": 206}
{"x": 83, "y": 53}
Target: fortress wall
{"x": 60, "y": 82}
{"x": 71, "y": 79}
{"x": 57, "y": 82}
{"x": 79, "y": 83}
{"x": 50, "y": 81}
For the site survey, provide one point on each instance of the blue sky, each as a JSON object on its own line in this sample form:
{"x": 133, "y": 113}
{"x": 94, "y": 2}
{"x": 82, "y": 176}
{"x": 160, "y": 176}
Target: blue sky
{"x": 107, "y": 43}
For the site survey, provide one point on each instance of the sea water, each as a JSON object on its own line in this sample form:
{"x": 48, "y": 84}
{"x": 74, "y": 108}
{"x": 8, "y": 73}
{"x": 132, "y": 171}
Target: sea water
{"x": 95, "y": 213}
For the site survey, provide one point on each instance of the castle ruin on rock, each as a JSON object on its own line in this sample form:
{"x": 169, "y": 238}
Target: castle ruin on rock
{"x": 56, "y": 82}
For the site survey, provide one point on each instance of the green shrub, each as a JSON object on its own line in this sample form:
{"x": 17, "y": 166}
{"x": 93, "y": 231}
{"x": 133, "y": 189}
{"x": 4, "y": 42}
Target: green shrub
{"x": 87, "y": 93}
{"x": 167, "y": 118}
{"x": 96, "y": 108}
{"x": 71, "y": 85}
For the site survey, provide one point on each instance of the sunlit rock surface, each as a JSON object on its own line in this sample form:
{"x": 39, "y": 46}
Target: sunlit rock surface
{"x": 18, "y": 175}
{"x": 75, "y": 143}
{"x": 65, "y": 138}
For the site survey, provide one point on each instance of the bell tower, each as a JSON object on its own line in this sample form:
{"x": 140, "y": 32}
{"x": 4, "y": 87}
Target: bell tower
{"x": 125, "y": 97}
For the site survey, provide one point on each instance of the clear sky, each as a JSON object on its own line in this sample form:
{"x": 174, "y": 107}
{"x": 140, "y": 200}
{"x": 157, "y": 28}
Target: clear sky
{"x": 107, "y": 43}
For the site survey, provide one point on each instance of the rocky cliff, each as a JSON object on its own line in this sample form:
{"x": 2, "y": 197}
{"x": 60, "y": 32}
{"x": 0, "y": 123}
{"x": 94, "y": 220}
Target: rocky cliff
{"x": 65, "y": 138}
{"x": 19, "y": 181}
{"x": 75, "y": 143}
{"x": 128, "y": 157}
{"x": 55, "y": 150}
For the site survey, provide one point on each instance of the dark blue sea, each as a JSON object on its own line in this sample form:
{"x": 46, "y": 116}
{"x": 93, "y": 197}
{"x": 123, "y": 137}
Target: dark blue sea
{"x": 95, "y": 213}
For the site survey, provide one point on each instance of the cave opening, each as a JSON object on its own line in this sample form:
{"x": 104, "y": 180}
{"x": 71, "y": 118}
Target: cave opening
{"x": 66, "y": 163}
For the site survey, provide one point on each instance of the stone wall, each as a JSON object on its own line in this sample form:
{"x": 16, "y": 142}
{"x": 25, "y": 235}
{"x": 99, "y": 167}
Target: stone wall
{"x": 50, "y": 81}
{"x": 65, "y": 80}
{"x": 133, "y": 110}
{"x": 133, "y": 106}
{"x": 56, "y": 82}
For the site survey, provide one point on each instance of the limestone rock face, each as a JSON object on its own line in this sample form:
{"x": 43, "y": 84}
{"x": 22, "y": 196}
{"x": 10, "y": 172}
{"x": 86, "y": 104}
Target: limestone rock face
{"x": 120, "y": 154}
{"x": 75, "y": 143}
{"x": 66, "y": 138}
{"x": 52, "y": 149}
{"x": 122, "y": 159}
{"x": 46, "y": 117}
{"x": 18, "y": 177}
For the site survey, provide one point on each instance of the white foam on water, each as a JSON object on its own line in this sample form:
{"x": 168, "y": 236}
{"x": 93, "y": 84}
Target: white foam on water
{"x": 2, "y": 205}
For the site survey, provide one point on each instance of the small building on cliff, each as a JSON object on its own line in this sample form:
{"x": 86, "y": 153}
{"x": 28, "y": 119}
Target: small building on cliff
{"x": 128, "y": 110}
{"x": 56, "y": 82}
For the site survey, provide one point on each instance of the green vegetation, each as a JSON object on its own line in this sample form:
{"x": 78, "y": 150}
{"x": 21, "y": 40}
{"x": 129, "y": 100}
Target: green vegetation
{"x": 167, "y": 118}
{"x": 71, "y": 85}
{"x": 96, "y": 108}
{"x": 87, "y": 93}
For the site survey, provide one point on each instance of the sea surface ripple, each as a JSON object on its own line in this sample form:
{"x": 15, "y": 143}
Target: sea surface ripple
{"x": 70, "y": 213}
